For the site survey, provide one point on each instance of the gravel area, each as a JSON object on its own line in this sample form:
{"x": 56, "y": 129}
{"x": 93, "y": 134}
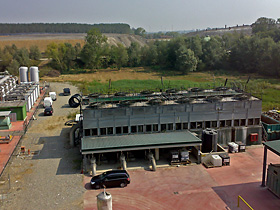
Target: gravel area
{"x": 50, "y": 178}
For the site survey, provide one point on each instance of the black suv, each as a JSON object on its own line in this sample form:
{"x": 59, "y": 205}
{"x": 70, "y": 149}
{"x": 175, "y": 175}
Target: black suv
{"x": 112, "y": 178}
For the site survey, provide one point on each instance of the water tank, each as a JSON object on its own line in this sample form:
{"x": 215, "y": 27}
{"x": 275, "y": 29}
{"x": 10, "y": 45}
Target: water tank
{"x": 34, "y": 74}
{"x": 209, "y": 140}
{"x": 23, "y": 74}
{"x": 104, "y": 201}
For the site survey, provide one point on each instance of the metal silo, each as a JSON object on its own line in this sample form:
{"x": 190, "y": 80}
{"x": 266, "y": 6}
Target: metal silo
{"x": 23, "y": 74}
{"x": 34, "y": 74}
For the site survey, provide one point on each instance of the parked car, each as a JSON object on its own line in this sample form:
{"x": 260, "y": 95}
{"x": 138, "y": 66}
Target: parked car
{"x": 66, "y": 91}
{"x": 112, "y": 178}
{"x": 48, "y": 111}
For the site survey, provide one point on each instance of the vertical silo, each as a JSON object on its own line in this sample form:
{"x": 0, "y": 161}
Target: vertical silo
{"x": 34, "y": 74}
{"x": 23, "y": 74}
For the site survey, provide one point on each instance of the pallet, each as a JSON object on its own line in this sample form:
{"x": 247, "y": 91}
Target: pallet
{"x": 210, "y": 165}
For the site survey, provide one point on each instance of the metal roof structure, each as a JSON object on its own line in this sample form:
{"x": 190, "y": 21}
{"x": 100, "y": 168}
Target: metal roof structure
{"x": 5, "y": 113}
{"x": 136, "y": 142}
{"x": 273, "y": 146}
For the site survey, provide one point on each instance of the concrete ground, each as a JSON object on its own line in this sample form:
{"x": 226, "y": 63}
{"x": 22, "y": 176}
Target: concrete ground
{"x": 194, "y": 186}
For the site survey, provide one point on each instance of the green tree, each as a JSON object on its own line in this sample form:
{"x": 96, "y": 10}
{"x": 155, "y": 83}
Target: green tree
{"x": 119, "y": 55}
{"x": 263, "y": 24}
{"x": 34, "y": 52}
{"x": 186, "y": 60}
{"x": 22, "y": 57}
{"x": 92, "y": 51}
{"x": 140, "y": 31}
{"x": 6, "y": 58}
{"x": 134, "y": 54}
{"x": 68, "y": 55}
{"x": 54, "y": 53}
{"x": 13, "y": 67}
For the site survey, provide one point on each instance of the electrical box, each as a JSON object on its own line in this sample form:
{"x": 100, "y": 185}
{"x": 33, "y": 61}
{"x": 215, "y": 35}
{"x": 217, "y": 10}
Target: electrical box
{"x": 254, "y": 137}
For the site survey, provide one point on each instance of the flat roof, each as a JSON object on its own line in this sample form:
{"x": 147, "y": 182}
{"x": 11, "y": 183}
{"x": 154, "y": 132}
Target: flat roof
{"x": 103, "y": 144}
{"x": 5, "y": 113}
{"x": 7, "y": 104}
{"x": 273, "y": 146}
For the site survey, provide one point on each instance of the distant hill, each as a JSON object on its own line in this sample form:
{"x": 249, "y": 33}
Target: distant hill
{"x": 246, "y": 29}
{"x": 23, "y": 28}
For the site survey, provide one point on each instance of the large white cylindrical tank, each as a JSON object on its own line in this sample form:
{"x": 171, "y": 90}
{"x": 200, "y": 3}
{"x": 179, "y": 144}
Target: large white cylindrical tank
{"x": 34, "y": 74}
{"x": 23, "y": 74}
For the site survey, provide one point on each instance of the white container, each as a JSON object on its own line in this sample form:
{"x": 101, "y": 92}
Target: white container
{"x": 52, "y": 95}
{"x": 48, "y": 102}
{"x": 232, "y": 147}
{"x": 184, "y": 155}
{"x": 216, "y": 160}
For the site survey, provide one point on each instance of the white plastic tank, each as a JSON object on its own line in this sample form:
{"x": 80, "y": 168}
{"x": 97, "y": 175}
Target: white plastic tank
{"x": 34, "y": 74}
{"x": 104, "y": 201}
{"x": 216, "y": 160}
{"x": 23, "y": 74}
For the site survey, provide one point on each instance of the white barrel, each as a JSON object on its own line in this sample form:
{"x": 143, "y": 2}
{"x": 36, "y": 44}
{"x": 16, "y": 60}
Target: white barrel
{"x": 23, "y": 74}
{"x": 34, "y": 74}
{"x": 104, "y": 201}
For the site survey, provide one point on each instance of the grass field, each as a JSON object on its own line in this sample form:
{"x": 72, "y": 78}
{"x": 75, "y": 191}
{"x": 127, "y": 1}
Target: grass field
{"x": 138, "y": 79}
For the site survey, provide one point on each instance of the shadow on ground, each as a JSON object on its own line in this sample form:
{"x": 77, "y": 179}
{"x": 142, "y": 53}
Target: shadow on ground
{"x": 256, "y": 196}
{"x": 57, "y": 147}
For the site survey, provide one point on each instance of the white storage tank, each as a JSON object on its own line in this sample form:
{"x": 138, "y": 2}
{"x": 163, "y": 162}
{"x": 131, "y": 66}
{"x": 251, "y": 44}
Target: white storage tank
{"x": 23, "y": 74}
{"x": 216, "y": 160}
{"x": 34, "y": 74}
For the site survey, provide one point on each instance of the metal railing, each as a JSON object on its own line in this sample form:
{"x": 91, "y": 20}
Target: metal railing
{"x": 238, "y": 202}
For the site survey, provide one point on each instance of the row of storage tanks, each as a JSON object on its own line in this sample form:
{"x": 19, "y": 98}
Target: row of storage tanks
{"x": 34, "y": 74}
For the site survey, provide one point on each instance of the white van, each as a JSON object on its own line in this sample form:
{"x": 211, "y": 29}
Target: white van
{"x": 48, "y": 102}
{"x": 52, "y": 95}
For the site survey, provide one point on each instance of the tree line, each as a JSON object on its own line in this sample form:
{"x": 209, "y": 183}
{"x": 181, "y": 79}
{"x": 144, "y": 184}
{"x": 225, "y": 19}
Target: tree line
{"x": 10, "y": 28}
{"x": 259, "y": 53}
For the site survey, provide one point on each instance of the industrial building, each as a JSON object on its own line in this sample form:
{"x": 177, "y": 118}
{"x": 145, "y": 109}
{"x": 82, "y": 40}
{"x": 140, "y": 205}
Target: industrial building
{"x": 16, "y": 96}
{"x": 157, "y": 122}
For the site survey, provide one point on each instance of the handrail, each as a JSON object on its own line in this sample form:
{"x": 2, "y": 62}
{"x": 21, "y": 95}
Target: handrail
{"x": 239, "y": 196}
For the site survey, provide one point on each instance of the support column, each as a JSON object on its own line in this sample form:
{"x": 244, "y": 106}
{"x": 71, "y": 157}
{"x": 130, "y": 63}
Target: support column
{"x": 153, "y": 161}
{"x": 264, "y": 166}
{"x": 84, "y": 164}
{"x": 123, "y": 162}
{"x": 93, "y": 166}
{"x": 157, "y": 153}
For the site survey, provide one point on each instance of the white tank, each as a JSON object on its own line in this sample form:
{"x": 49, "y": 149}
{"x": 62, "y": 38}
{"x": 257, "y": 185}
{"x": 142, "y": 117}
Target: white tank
{"x": 34, "y": 74}
{"x": 23, "y": 74}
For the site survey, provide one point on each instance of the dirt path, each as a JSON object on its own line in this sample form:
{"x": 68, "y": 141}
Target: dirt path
{"x": 51, "y": 178}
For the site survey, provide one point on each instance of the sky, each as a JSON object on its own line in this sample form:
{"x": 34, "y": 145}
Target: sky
{"x": 152, "y": 15}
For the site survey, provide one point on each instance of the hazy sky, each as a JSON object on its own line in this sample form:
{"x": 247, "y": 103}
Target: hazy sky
{"x": 153, "y": 15}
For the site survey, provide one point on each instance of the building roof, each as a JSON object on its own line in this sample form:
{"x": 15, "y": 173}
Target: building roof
{"x": 273, "y": 146}
{"x": 4, "y": 113}
{"x": 138, "y": 141}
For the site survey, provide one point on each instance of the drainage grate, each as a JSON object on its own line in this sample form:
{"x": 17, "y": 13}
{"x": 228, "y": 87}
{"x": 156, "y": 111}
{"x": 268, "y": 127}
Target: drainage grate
{"x": 176, "y": 193}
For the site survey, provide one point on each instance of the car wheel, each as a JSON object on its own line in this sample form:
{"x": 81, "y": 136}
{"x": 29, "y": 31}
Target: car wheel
{"x": 122, "y": 185}
{"x": 97, "y": 186}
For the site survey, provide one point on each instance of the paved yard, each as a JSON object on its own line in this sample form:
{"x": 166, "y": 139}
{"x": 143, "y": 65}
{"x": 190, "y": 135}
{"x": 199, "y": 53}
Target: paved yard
{"x": 194, "y": 187}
